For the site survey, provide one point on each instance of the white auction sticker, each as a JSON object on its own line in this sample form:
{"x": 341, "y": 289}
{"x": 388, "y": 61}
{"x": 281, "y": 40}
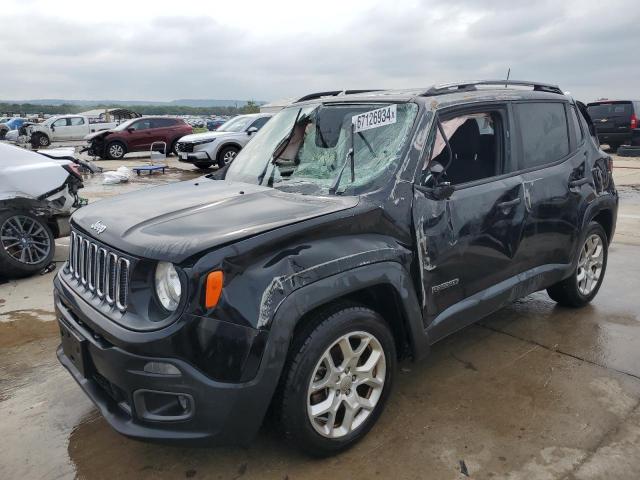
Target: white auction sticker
{"x": 374, "y": 118}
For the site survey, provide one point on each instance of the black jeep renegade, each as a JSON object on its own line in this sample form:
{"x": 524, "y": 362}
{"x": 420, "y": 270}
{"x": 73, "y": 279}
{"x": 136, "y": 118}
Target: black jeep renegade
{"x": 354, "y": 229}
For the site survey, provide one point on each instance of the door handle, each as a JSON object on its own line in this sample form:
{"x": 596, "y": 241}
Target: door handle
{"x": 508, "y": 204}
{"x": 578, "y": 182}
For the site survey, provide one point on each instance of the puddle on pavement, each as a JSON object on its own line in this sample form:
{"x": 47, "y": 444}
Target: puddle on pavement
{"x": 629, "y": 194}
{"x": 23, "y": 326}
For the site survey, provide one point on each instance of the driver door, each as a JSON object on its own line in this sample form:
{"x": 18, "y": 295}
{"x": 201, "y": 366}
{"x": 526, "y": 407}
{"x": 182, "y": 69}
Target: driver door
{"x": 467, "y": 242}
{"x": 61, "y": 129}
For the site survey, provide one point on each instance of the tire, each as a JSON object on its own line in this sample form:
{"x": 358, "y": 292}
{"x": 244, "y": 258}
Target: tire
{"x": 227, "y": 155}
{"x": 572, "y": 291}
{"x": 629, "y": 151}
{"x": 172, "y": 150}
{"x": 39, "y": 140}
{"x": 203, "y": 165}
{"x": 308, "y": 359}
{"x": 115, "y": 150}
{"x": 38, "y": 252}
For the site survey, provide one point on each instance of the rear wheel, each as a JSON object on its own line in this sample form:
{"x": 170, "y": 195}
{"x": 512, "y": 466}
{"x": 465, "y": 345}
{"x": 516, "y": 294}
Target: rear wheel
{"x": 116, "y": 150}
{"x": 337, "y": 380}
{"x": 26, "y": 244}
{"x": 583, "y": 284}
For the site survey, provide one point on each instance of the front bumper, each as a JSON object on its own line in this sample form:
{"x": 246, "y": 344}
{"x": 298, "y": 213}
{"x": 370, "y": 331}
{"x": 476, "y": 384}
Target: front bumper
{"x": 195, "y": 156}
{"x": 115, "y": 380}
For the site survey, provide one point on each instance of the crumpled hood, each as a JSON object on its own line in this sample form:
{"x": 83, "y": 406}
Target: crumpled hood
{"x": 97, "y": 134}
{"x": 173, "y": 222}
{"x": 198, "y": 137}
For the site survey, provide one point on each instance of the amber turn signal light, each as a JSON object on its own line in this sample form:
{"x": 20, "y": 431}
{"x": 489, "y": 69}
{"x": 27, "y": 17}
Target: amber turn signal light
{"x": 213, "y": 289}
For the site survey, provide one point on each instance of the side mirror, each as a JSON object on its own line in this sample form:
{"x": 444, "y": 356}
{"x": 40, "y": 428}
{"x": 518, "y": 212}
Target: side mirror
{"x": 53, "y": 128}
{"x": 443, "y": 191}
{"x": 131, "y": 129}
{"x": 251, "y": 130}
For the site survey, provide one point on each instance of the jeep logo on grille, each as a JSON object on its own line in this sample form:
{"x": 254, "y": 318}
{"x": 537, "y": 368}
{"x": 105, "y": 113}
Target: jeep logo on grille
{"x": 99, "y": 227}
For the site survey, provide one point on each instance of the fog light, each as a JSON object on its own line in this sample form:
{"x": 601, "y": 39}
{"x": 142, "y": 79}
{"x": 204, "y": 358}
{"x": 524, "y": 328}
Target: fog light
{"x": 161, "y": 368}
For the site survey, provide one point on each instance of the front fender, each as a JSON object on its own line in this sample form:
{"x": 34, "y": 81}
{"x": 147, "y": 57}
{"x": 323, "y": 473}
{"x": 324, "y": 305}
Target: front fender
{"x": 313, "y": 295}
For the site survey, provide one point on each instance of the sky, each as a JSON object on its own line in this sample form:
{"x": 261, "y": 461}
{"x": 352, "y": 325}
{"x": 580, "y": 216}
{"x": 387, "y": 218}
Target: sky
{"x": 266, "y": 50}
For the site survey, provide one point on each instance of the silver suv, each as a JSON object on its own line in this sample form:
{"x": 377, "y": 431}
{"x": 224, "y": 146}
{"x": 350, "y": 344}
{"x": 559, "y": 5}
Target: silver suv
{"x": 222, "y": 145}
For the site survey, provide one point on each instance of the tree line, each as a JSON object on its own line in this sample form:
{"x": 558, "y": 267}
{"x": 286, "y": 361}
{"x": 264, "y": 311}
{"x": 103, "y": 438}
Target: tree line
{"x": 33, "y": 109}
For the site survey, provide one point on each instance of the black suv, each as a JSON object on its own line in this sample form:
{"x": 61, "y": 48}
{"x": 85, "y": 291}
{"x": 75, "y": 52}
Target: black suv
{"x": 355, "y": 229}
{"x": 615, "y": 121}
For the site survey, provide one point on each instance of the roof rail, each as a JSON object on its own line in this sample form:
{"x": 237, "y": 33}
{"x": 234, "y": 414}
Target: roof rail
{"x": 472, "y": 86}
{"x": 334, "y": 93}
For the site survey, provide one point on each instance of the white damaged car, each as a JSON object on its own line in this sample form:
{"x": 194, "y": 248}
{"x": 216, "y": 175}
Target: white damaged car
{"x": 38, "y": 193}
{"x": 222, "y": 145}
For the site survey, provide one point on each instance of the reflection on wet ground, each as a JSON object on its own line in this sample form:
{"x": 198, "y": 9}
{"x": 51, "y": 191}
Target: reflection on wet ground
{"x": 534, "y": 391}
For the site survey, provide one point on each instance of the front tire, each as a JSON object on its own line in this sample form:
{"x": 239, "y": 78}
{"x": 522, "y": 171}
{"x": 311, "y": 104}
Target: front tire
{"x": 26, "y": 244}
{"x": 116, "y": 150}
{"x": 39, "y": 140}
{"x": 583, "y": 284}
{"x": 227, "y": 155}
{"x": 337, "y": 380}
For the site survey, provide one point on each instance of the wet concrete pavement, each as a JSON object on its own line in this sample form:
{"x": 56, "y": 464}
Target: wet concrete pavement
{"x": 533, "y": 392}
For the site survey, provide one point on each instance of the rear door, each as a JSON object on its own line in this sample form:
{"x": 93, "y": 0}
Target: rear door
{"x": 552, "y": 160}
{"x": 77, "y": 128}
{"x": 467, "y": 243}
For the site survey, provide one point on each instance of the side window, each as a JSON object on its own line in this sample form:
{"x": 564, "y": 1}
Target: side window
{"x": 141, "y": 125}
{"x": 75, "y": 121}
{"x": 575, "y": 125}
{"x": 476, "y": 144}
{"x": 163, "y": 122}
{"x": 63, "y": 122}
{"x": 544, "y": 132}
{"x": 259, "y": 123}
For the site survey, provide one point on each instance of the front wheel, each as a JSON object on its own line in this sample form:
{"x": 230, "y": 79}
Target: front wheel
{"x": 116, "y": 150}
{"x": 226, "y": 155}
{"x": 585, "y": 281}
{"x": 337, "y": 380}
{"x": 40, "y": 140}
{"x": 26, "y": 244}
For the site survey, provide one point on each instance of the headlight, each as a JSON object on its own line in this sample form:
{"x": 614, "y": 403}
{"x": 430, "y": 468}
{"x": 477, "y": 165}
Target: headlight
{"x": 202, "y": 142}
{"x": 168, "y": 285}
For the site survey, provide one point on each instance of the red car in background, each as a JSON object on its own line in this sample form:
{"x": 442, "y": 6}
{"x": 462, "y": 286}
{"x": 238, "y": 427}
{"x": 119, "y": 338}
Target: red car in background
{"x": 137, "y": 135}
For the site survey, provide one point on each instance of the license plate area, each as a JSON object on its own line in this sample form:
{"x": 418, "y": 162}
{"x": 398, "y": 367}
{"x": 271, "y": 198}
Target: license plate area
{"x": 184, "y": 156}
{"x": 74, "y": 347}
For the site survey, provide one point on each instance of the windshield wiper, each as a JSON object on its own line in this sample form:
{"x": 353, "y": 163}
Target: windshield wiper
{"x": 349, "y": 158}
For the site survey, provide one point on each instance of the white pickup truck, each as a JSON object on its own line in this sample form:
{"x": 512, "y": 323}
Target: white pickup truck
{"x": 64, "y": 127}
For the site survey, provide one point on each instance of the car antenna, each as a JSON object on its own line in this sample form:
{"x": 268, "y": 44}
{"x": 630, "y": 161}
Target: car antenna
{"x": 507, "y": 80}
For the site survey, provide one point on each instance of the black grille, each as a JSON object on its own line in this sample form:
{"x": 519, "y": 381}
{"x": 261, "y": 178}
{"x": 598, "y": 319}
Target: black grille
{"x": 185, "y": 147}
{"x": 101, "y": 271}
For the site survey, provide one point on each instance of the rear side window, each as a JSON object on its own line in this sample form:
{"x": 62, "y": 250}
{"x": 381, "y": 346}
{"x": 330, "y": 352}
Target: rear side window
{"x": 575, "y": 124}
{"x": 77, "y": 121}
{"x": 163, "y": 122}
{"x": 543, "y": 131}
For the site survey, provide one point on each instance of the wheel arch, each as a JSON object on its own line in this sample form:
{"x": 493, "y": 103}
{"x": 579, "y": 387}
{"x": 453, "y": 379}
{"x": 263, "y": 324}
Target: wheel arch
{"x": 222, "y": 146}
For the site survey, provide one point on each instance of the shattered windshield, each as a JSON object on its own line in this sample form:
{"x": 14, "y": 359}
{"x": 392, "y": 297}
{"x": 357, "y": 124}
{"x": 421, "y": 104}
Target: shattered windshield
{"x": 331, "y": 148}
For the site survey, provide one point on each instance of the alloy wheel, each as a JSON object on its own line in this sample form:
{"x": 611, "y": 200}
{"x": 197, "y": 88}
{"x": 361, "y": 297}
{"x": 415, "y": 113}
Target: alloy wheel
{"x": 25, "y": 239}
{"x": 590, "y": 264}
{"x": 116, "y": 150}
{"x": 346, "y": 384}
{"x": 229, "y": 156}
